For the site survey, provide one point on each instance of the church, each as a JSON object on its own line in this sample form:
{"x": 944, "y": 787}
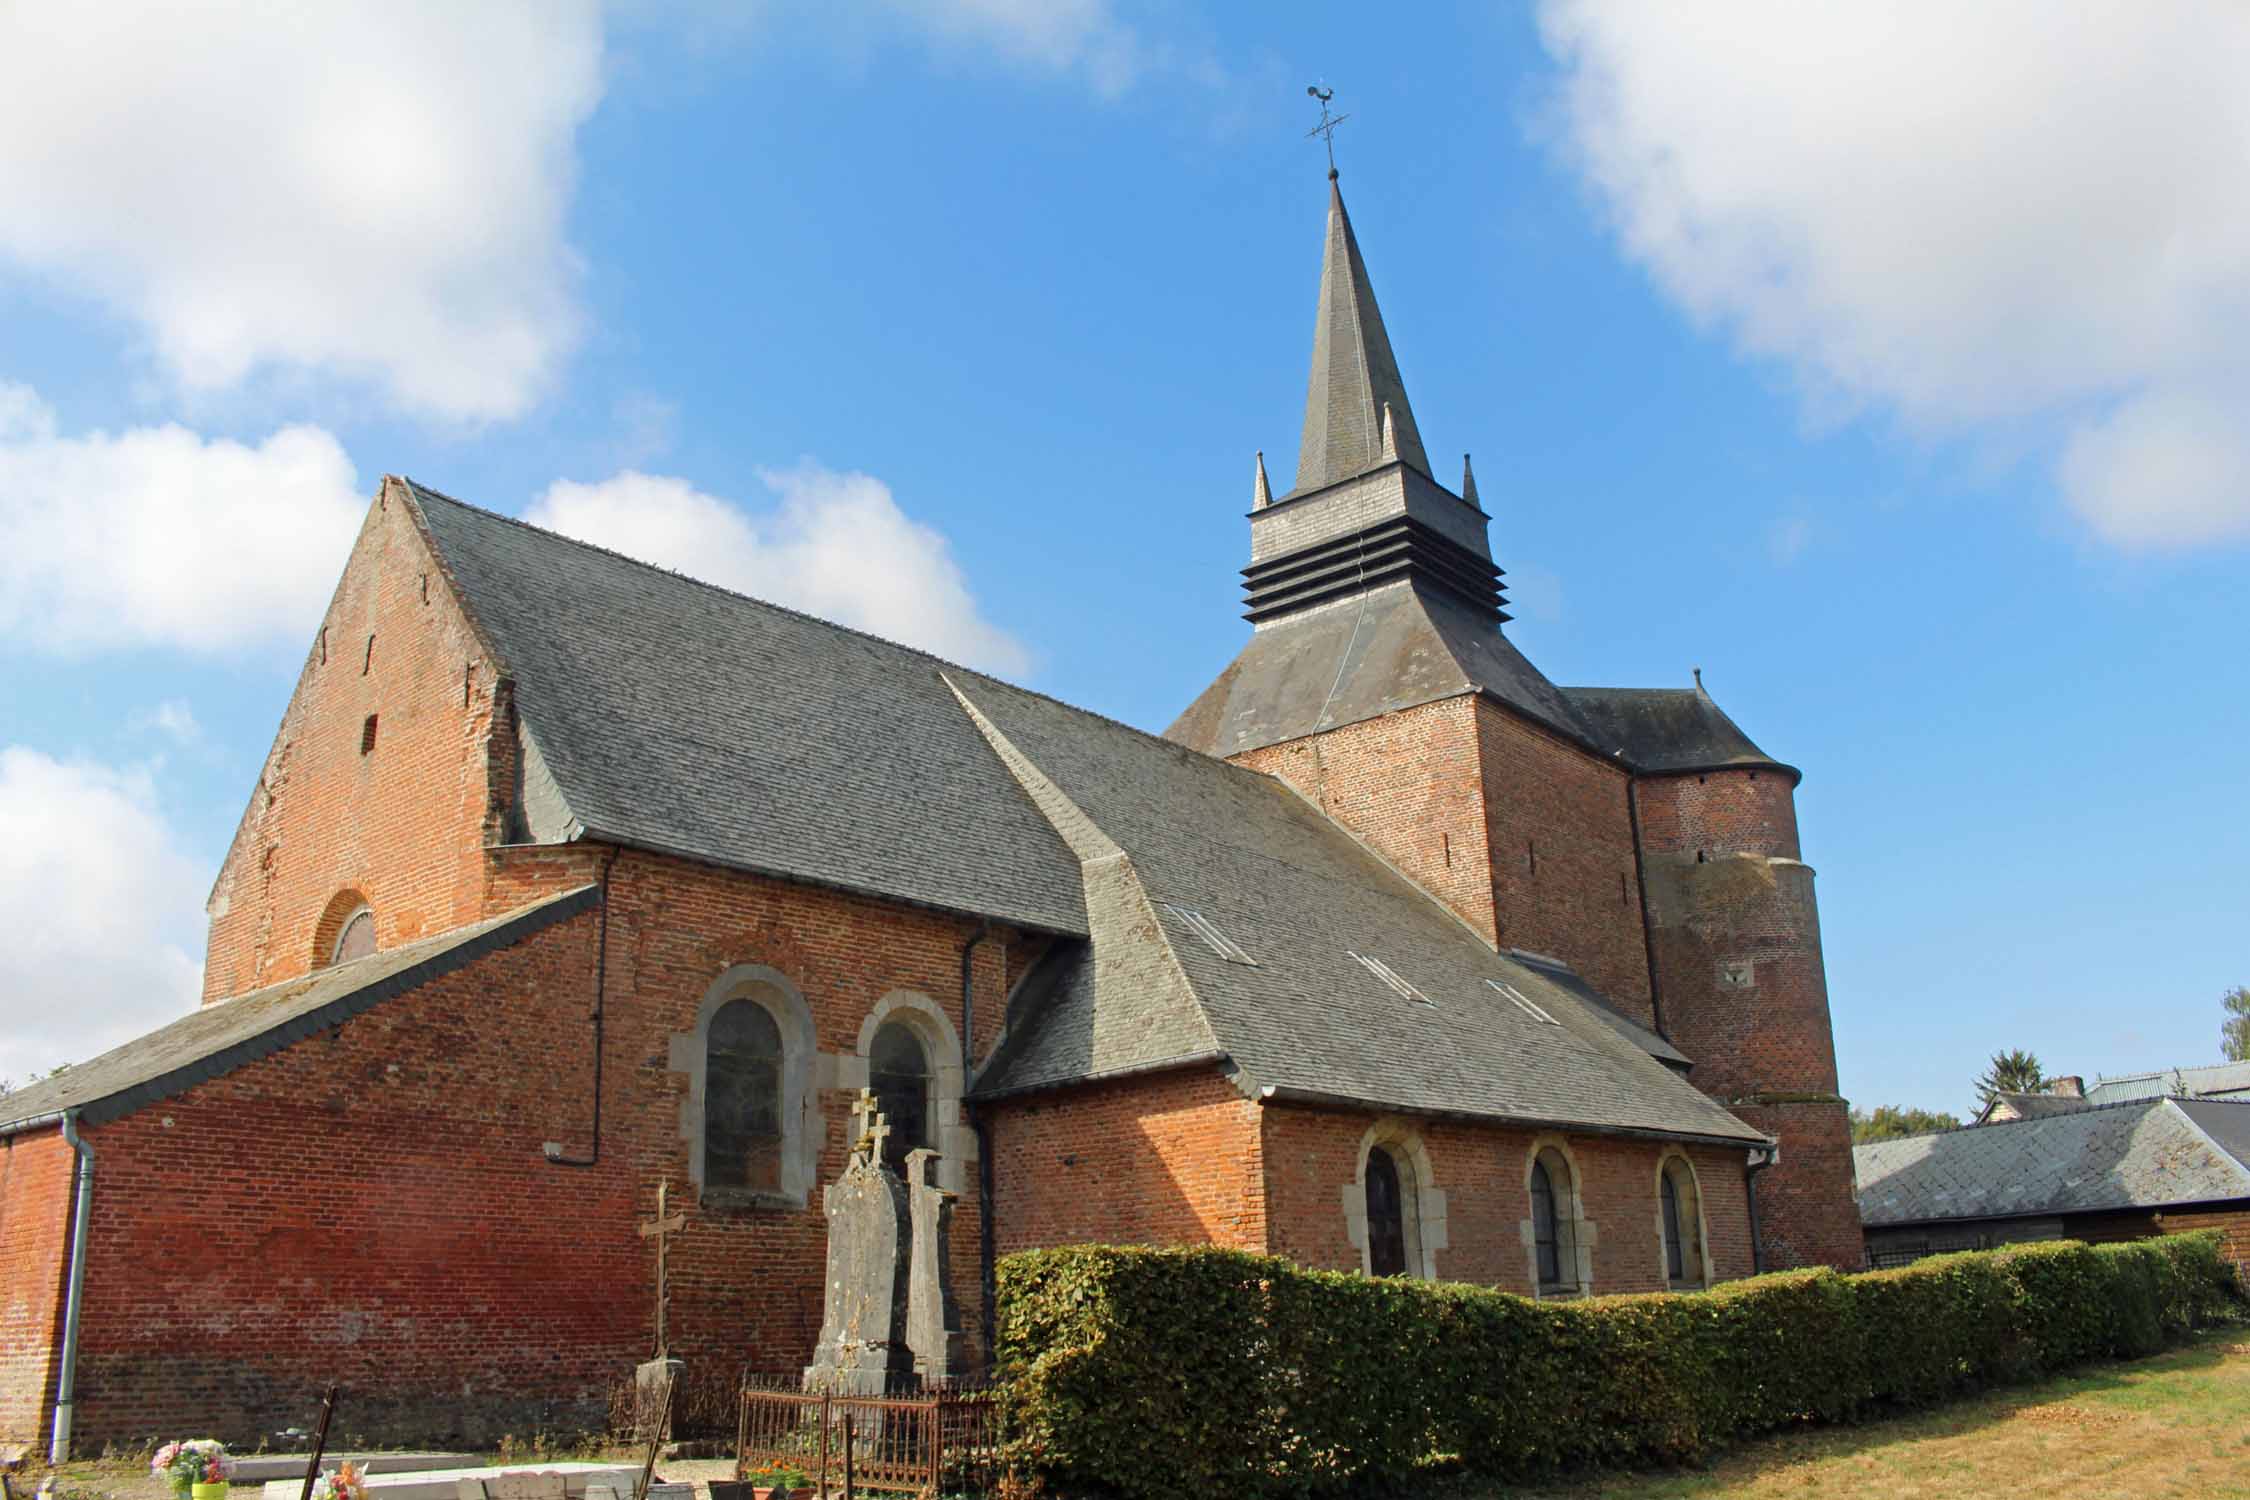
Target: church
{"x": 567, "y": 876}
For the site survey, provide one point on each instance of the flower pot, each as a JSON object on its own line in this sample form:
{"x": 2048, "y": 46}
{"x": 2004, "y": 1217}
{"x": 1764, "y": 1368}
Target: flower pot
{"x": 215, "y": 1490}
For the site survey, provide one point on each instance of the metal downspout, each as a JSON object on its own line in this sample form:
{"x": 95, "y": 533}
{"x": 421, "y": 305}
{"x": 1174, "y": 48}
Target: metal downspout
{"x": 1750, "y": 1170}
{"x": 74, "y": 1295}
{"x": 986, "y": 1272}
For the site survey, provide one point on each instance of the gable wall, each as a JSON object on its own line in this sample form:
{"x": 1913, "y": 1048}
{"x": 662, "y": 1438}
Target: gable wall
{"x": 36, "y": 1168}
{"x": 1313, "y": 1158}
{"x": 403, "y": 825}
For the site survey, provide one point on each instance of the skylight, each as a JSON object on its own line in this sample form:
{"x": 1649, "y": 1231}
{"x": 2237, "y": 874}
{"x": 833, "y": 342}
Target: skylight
{"x": 1523, "y": 1002}
{"x": 1208, "y": 930}
{"x": 1390, "y": 977}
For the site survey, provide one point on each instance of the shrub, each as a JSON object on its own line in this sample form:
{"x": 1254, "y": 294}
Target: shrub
{"x": 1140, "y": 1372}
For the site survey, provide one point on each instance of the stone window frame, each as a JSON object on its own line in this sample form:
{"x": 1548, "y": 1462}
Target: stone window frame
{"x": 690, "y": 1053}
{"x": 1583, "y": 1230}
{"x": 1424, "y": 1216}
{"x": 955, "y": 1141}
{"x": 1691, "y": 1216}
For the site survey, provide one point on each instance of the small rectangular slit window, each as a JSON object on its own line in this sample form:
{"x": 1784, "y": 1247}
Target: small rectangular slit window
{"x": 370, "y": 658}
{"x": 367, "y": 735}
{"x": 1523, "y": 1002}
{"x": 1390, "y": 977}
{"x": 1208, "y": 930}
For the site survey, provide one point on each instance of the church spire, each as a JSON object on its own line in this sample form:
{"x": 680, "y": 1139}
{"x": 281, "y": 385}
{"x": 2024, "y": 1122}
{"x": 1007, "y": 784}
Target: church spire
{"x": 1354, "y": 375}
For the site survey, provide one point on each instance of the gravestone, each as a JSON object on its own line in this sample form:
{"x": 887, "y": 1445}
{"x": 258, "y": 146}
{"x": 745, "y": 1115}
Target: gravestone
{"x": 933, "y": 1325}
{"x": 863, "y": 1347}
{"x": 656, "y": 1379}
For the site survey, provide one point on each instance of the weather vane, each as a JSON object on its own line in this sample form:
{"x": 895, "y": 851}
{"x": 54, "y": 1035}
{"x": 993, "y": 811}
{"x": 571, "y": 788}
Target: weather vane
{"x": 1326, "y": 129}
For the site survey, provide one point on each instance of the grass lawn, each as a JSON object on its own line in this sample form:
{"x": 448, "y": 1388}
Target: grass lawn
{"x": 2178, "y": 1424}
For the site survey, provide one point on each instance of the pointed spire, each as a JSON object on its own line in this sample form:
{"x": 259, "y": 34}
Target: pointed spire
{"x": 1390, "y": 435}
{"x": 1468, "y": 482}
{"x": 1261, "y": 495}
{"x": 1354, "y": 374}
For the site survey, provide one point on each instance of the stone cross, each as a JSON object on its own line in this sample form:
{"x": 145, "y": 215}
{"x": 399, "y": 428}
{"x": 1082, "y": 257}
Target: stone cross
{"x": 867, "y": 1144}
{"x": 661, "y": 1229}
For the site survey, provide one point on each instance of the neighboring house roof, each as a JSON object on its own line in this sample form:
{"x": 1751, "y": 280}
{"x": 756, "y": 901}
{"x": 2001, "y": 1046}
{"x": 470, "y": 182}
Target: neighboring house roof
{"x": 1668, "y": 729}
{"x": 678, "y": 717}
{"x": 1171, "y": 840}
{"x": 216, "y": 1039}
{"x": 2215, "y": 1079}
{"x": 2014, "y": 1106}
{"x": 2140, "y": 1154}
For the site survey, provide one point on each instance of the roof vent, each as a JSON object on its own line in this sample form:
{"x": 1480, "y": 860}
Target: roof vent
{"x": 1208, "y": 930}
{"x": 1389, "y": 976}
{"x": 1523, "y": 1002}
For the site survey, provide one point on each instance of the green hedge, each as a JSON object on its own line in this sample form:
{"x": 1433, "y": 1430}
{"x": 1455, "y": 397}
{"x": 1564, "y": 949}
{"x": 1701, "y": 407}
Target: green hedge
{"x": 1147, "y": 1373}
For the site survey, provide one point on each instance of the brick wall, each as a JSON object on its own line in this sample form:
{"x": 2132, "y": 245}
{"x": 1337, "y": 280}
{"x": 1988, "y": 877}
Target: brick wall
{"x": 1523, "y": 834}
{"x": 1163, "y": 1159}
{"x": 35, "y": 1207}
{"x": 400, "y": 825}
{"x": 1313, "y": 1155}
{"x": 1736, "y": 931}
{"x": 1563, "y": 872}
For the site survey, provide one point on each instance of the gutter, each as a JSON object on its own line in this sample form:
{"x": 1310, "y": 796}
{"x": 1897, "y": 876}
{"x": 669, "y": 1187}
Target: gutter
{"x": 1284, "y": 1094}
{"x": 74, "y": 1295}
{"x": 1106, "y": 1075}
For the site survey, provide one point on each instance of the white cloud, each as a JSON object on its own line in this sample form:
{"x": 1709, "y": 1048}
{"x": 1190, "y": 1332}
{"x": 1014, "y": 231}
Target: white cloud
{"x": 172, "y": 718}
{"x": 1980, "y": 217}
{"x": 367, "y": 190}
{"x": 104, "y": 912}
{"x": 1058, "y": 36}
{"x": 834, "y": 545}
{"x": 157, "y": 536}
{"x": 1787, "y": 538}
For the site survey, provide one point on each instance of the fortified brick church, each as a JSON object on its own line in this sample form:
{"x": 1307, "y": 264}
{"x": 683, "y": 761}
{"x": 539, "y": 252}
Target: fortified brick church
{"x": 566, "y": 874}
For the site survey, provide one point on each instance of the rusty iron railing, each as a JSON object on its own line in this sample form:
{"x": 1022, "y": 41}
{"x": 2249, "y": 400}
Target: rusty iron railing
{"x": 913, "y": 1440}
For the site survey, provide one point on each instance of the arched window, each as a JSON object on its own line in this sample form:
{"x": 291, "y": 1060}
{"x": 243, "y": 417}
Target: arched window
{"x": 1679, "y": 1213}
{"x": 1553, "y": 1223}
{"x": 898, "y": 1070}
{"x": 356, "y": 939}
{"x": 1389, "y": 1210}
{"x": 742, "y": 1123}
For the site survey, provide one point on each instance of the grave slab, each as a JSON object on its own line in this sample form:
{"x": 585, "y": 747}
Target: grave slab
{"x": 257, "y": 1468}
{"x": 499, "y": 1481}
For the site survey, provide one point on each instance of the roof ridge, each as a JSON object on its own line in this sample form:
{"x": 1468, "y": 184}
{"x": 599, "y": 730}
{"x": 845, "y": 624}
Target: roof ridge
{"x": 943, "y": 663}
{"x": 2064, "y": 1114}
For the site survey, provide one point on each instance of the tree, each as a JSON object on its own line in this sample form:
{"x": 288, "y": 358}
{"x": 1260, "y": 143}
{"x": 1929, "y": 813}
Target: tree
{"x": 2012, "y": 1072}
{"x": 1887, "y": 1122}
{"x": 2234, "y": 1031}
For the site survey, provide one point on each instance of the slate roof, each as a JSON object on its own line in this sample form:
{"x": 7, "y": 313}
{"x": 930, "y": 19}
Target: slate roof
{"x": 1391, "y": 648}
{"x": 218, "y": 1038}
{"x": 1354, "y": 373}
{"x": 1165, "y": 831}
{"x": 1667, "y": 729}
{"x": 2140, "y": 1154}
{"x": 676, "y": 716}
{"x": 679, "y": 717}
{"x": 2217, "y": 1078}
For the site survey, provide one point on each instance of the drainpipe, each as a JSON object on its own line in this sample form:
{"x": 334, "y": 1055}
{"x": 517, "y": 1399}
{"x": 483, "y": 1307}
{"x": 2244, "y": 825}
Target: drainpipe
{"x": 1640, "y": 878}
{"x": 74, "y": 1296}
{"x": 553, "y": 1149}
{"x": 1750, "y": 1169}
{"x": 986, "y": 1269}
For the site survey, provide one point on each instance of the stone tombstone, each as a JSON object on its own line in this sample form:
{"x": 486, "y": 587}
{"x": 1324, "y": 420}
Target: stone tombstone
{"x": 933, "y": 1324}
{"x": 863, "y": 1346}
{"x": 653, "y": 1384}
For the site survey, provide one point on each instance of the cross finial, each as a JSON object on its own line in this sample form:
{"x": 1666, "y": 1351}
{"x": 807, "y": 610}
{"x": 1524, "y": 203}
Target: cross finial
{"x": 1326, "y": 129}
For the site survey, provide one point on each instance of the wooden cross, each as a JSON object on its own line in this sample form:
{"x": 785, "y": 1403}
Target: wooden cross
{"x": 662, "y": 1230}
{"x": 867, "y": 1146}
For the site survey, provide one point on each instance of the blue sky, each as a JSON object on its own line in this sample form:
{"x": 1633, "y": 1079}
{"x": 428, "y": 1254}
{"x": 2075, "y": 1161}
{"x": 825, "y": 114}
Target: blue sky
{"x": 1888, "y": 368}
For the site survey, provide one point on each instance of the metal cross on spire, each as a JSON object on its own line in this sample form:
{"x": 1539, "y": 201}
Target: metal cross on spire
{"x": 1326, "y": 129}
